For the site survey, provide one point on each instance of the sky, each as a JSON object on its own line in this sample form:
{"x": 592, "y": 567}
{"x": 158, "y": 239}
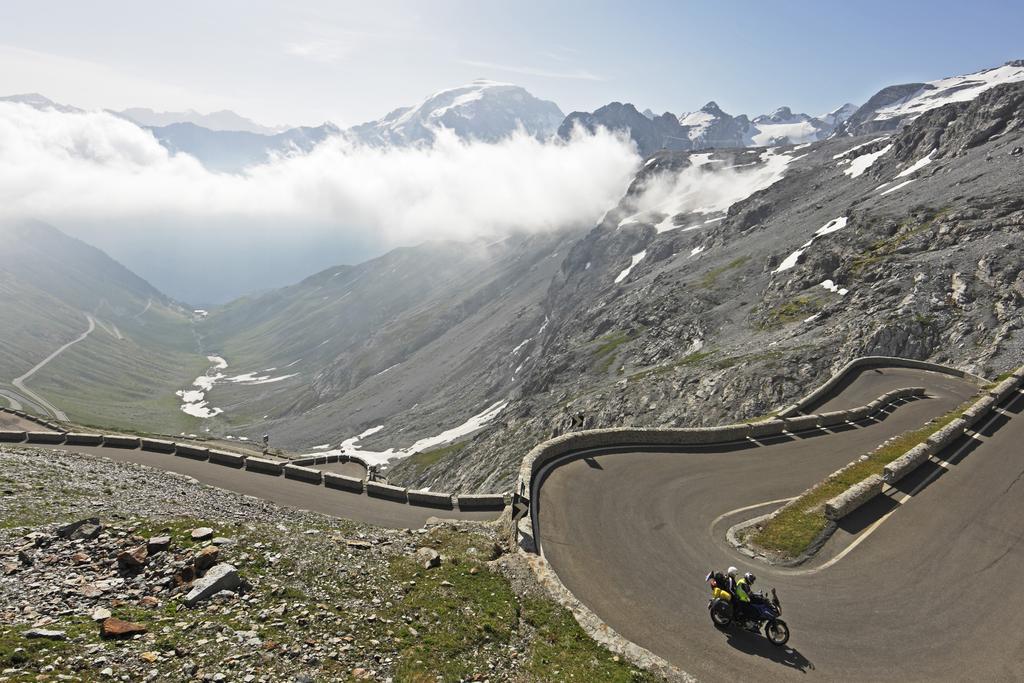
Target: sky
{"x": 349, "y": 62}
{"x": 205, "y": 237}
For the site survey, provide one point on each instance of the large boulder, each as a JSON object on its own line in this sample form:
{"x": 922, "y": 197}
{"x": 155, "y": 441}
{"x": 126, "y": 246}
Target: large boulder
{"x": 220, "y": 578}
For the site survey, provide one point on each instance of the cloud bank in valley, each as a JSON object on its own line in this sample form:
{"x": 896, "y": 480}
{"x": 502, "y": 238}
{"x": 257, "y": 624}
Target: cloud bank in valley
{"x": 95, "y": 166}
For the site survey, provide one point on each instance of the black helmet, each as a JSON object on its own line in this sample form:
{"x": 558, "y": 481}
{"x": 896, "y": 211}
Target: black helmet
{"x": 750, "y": 578}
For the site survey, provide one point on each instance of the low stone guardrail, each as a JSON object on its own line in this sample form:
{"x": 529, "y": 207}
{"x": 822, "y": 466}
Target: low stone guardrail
{"x": 853, "y": 497}
{"x": 194, "y": 452}
{"x": 860, "y": 493}
{"x": 82, "y": 439}
{"x": 868, "y": 362}
{"x": 388, "y": 491}
{"x": 625, "y": 437}
{"x": 909, "y": 461}
{"x": 120, "y": 441}
{"x": 264, "y": 466}
{"x": 300, "y": 473}
{"x": 297, "y": 469}
{"x": 431, "y": 499}
{"x": 157, "y": 445}
{"x": 340, "y": 481}
{"x": 44, "y": 437}
{"x": 485, "y": 501}
{"x": 227, "y": 458}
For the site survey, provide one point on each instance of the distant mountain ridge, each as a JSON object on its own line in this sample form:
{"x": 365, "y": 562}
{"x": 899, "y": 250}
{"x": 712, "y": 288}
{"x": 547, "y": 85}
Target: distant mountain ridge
{"x": 223, "y": 120}
{"x": 482, "y": 110}
{"x": 708, "y": 127}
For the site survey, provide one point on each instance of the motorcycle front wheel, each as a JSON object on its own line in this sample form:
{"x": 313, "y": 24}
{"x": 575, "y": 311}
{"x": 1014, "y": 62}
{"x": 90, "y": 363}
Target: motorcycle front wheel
{"x": 777, "y": 632}
{"x": 721, "y": 613}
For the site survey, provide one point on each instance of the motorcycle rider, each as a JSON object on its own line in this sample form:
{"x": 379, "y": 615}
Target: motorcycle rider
{"x": 743, "y": 593}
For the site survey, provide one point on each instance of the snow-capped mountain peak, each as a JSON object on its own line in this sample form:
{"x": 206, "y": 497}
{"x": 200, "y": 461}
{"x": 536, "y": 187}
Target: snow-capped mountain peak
{"x": 482, "y": 110}
{"x": 892, "y": 107}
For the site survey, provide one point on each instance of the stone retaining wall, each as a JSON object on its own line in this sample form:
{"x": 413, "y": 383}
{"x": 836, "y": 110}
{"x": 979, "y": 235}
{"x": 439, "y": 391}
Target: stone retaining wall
{"x": 870, "y": 362}
{"x": 307, "y": 474}
{"x": 379, "y": 490}
{"x": 431, "y": 499}
{"x": 909, "y": 461}
{"x": 481, "y": 501}
{"x": 264, "y": 466}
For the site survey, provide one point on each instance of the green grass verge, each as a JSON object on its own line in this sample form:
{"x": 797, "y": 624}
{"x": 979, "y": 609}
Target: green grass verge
{"x": 793, "y": 530}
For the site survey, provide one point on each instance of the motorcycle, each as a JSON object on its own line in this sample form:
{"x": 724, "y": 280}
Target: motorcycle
{"x": 762, "y": 612}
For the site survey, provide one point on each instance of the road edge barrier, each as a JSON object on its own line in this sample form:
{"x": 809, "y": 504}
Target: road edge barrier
{"x": 870, "y": 362}
{"x": 864, "y": 491}
{"x": 567, "y": 444}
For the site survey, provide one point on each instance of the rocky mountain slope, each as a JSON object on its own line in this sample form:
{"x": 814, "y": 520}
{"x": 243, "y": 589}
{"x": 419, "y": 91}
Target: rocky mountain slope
{"x": 908, "y": 245}
{"x": 409, "y": 341}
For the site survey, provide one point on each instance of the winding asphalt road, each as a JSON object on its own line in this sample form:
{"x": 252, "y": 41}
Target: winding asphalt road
{"x": 932, "y": 594}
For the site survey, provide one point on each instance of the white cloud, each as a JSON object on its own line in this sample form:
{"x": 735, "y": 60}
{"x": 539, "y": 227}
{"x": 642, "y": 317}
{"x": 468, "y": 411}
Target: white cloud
{"x": 94, "y": 167}
{"x": 706, "y": 190}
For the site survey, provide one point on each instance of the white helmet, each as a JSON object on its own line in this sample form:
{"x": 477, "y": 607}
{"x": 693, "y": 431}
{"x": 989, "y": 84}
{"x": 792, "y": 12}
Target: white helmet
{"x": 731, "y": 571}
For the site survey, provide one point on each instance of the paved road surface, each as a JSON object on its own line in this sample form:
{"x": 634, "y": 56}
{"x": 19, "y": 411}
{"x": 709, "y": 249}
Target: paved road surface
{"x": 932, "y": 594}
{"x": 283, "y": 491}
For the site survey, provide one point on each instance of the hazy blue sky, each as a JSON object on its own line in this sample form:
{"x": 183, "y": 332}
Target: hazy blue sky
{"x": 305, "y": 62}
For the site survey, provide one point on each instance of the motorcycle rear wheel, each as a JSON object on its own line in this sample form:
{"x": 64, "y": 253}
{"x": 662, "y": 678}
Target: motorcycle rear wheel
{"x": 777, "y": 632}
{"x": 721, "y": 613}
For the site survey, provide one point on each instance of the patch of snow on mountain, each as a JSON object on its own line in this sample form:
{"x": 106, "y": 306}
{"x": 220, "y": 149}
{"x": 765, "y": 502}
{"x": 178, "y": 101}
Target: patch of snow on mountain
{"x": 350, "y": 446}
{"x": 637, "y": 258}
{"x": 856, "y": 147}
{"x": 834, "y": 288}
{"x": 864, "y": 162}
{"x": 897, "y": 187}
{"x": 919, "y": 164}
{"x": 833, "y": 225}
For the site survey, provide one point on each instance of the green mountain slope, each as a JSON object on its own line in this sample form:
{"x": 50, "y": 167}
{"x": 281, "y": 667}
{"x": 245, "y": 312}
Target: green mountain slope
{"x": 138, "y": 350}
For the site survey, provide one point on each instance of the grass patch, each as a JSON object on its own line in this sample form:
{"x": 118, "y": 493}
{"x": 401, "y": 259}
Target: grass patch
{"x": 687, "y": 360}
{"x": 792, "y": 530}
{"x": 710, "y": 278}
{"x": 793, "y": 311}
{"x": 608, "y": 348}
{"x": 884, "y": 247}
{"x": 561, "y": 650}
